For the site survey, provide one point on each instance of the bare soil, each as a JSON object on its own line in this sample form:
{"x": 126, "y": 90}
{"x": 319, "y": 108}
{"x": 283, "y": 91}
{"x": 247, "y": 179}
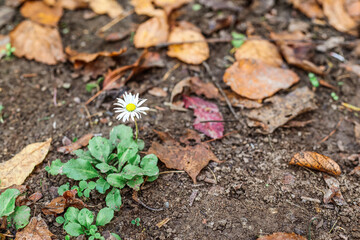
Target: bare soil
{"x": 256, "y": 191}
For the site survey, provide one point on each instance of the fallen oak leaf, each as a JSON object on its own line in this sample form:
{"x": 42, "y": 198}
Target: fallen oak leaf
{"x": 333, "y": 193}
{"x": 81, "y": 142}
{"x": 206, "y": 111}
{"x": 35, "y": 230}
{"x": 34, "y": 41}
{"x": 191, "y": 157}
{"x": 18, "y": 168}
{"x": 316, "y": 161}
{"x": 282, "y": 236}
{"x": 257, "y": 80}
{"x": 39, "y": 12}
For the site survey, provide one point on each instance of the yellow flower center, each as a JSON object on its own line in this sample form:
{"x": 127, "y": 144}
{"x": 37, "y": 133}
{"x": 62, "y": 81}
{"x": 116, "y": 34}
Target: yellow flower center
{"x": 130, "y": 107}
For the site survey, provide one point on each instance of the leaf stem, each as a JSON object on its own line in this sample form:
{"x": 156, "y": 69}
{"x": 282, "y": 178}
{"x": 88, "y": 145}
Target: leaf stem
{"x": 137, "y": 130}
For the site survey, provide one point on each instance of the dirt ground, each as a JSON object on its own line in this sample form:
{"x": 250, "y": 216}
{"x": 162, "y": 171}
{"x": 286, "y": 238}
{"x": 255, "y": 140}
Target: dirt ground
{"x": 255, "y": 193}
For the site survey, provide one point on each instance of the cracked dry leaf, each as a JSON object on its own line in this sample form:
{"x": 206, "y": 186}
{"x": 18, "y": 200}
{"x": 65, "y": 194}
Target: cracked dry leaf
{"x": 41, "y": 13}
{"x": 309, "y": 8}
{"x": 35, "y": 230}
{"x": 316, "y": 161}
{"x": 262, "y": 50}
{"x": 18, "y": 168}
{"x": 109, "y": 7}
{"x": 281, "y": 109}
{"x": 191, "y": 53}
{"x": 335, "y": 11}
{"x": 296, "y": 51}
{"x": 152, "y": 32}
{"x": 282, "y": 236}
{"x": 257, "y": 80}
{"x": 34, "y": 41}
{"x": 192, "y": 157}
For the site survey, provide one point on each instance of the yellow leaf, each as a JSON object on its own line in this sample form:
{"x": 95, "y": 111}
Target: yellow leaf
{"x": 18, "y": 168}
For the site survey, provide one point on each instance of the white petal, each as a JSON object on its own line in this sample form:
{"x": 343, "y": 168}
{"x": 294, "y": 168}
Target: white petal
{"x": 141, "y": 102}
{"x": 143, "y": 108}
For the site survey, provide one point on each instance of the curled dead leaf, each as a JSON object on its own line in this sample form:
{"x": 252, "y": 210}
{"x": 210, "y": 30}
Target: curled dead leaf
{"x": 336, "y": 13}
{"x": 282, "y": 236}
{"x": 296, "y": 51}
{"x": 35, "y": 230}
{"x": 152, "y": 32}
{"x": 59, "y": 204}
{"x": 191, "y": 53}
{"x": 39, "y": 12}
{"x": 18, "y": 168}
{"x": 34, "y": 41}
{"x": 262, "y": 50}
{"x": 310, "y": 8}
{"x": 316, "y": 161}
{"x": 257, "y": 80}
{"x": 81, "y": 142}
{"x": 109, "y": 7}
{"x": 191, "y": 157}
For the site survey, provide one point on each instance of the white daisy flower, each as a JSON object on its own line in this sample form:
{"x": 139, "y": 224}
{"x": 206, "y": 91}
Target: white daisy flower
{"x": 130, "y": 107}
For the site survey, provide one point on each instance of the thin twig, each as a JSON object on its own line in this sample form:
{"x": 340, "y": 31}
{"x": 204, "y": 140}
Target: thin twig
{"x": 333, "y": 225}
{"x": 136, "y": 199}
{"x": 88, "y": 115}
{"x": 114, "y": 21}
{"x": 332, "y": 132}
{"x": 165, "y": 172}
{"x": 213, "y": 174}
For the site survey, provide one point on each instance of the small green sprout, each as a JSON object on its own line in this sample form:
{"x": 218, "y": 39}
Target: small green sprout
{"x": 90, "y": 86}
{"x": 334, "y": 96}
{"x": 136, "y": 222}
{"x": 196, "y": 7}
{"x": 1, "y": 117}
{"x": 83, "y": 189}
{"x": 238, "y": 39}
{"x": 8, "y": 51}
{"x": 313, "y": 80}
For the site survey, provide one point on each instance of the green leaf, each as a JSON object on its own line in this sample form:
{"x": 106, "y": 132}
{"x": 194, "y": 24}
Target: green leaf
{"x": 85, "y": 217}
{"x": 55, "y": 168}
{"x": 104, "y": 216}
{"x": 100, "y": 148}
{"x": 313, "y": 80}
{"x": 116, "y": 180}
{"x": 196, "y": 7}
{"x": 130, "y": 171}
{"x": 67, "y": 237}
{"x": 238, "y": 39}
{"x": 91, "y": 238}
{"x": 82, "y": 185}
{"x": 152, "y": 178}
{"x": 91, "y": 185}
{"x": 135, "y": 161}
{"x": 63, "y": 188}
{"x": 90, "y": 86}
{"x": 117, "y": 237}
{"x": 7, "y": 200}
{"x": 87, "y": 193}
{"x": 21, "y": 216}
{"x": 135, "y": 182}
{"x": 79, "y": 169}
{"x": 120, "y": 133}
{"x": 129, "y": 154}
{"x": 113, "y": 199}
{"x": 73, "y": 229}
{"x": 60, "y": 220}
{"x": 85, "y": 155}
{"x": 149, "y": 165}
{"x": 104, "y": 167}
{"x": 71, "y": 214}
{"x": 102, "y": 185}
{"x": 141, "y": 144}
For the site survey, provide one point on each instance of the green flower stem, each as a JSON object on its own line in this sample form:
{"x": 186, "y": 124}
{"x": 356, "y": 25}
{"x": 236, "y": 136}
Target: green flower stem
{"x": 137, "y": 130}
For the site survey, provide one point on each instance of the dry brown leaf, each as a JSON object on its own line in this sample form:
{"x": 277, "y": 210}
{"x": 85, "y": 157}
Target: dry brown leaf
{"x": 335, "y": 11}
{"x": 74, "y": 4}
{"x": 79, "y": 58}
{"x": 82, "y": 142}
{"x": 333, "y": 193}
{"x": 35, "y": 230}
{"x": 59, "y": 204}
{"x": 316, "y": 161}
{"x": 3, "y": 41}
{"x": 39, "y": 12}
{"x": 109, "y": 7}
{"x": 262, "y": 50}
{"x": 145, "y": 7}
{"x": 357, "y": 132}
{"x": 257, "y": 80}
{"x": 191, "y": 53}
{"x": 18, "y": 168}
{"x": 239, "y": 101}
{"x": 157, "y": 92}
{"x": 191, "y": 157}
{"x": 353, "y": 8}
{"x": 152, "y": 32}
{"x": 169, "y": 5}
{"x": 310, "y": 8}
{"x": 296, "y": 51}
{"x": 282, "y": 236}
{"x": 282, "y": 109}
{"x": 34, "y": 41}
